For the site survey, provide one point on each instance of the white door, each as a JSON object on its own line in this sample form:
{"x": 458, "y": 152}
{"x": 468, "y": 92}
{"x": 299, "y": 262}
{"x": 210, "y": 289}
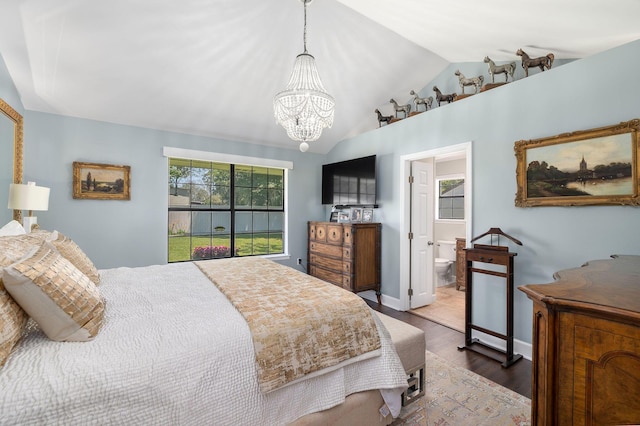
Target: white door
{"x": 423, "y": 289}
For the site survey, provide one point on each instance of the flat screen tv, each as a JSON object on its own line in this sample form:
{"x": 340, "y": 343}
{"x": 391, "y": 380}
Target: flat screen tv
{"x": 350, "y": 183}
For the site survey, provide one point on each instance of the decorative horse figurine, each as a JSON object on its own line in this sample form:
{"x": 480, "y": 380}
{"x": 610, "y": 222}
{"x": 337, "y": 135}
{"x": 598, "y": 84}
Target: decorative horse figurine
{"x": 506, "y": 69}
{"x": 406, "y": 109}
{"x": 541, "y": 62}
{"x": 443, "y": 98}
{"x": 473, "y": 81}
{"x": 383, "y": 118}
{"x": 421, "y": 101}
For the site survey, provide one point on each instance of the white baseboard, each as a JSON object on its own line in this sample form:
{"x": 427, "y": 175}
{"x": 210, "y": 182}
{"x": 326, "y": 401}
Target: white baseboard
{"x": 390, "y": 302}
{"x": 519, "y": 347}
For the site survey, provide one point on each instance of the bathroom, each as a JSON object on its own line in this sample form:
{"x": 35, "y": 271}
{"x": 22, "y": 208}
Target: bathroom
{"x": 449, "y": 221}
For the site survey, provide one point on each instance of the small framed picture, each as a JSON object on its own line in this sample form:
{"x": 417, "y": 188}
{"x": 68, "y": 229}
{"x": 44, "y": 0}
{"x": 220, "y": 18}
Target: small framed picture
{"x": 343, "y": 217}
{"x": 367, "y": 215}
{"x": 101, "y": 181}
{"x": 333, "y": 217}
{"x": 356, "y": 214}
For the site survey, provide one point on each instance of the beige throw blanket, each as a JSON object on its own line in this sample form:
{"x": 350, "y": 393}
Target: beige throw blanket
{"x": 299, "y": 324}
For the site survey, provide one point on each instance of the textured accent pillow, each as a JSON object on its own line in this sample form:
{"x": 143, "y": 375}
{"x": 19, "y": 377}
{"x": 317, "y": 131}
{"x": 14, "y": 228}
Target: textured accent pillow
{"x": 12, "y": 317}
{"x": 15, "y": 247}
{"x": 58, "y": 296}
{"x": 74, "y": 254}
{"x": 12, "y": 321}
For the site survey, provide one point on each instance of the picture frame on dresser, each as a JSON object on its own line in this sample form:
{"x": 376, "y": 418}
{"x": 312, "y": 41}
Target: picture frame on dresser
{"x": 367, "y": 215}
{"x": 343, "y": 217}
{"x": 356, "y": 214}
{"x": 334, "y": 216}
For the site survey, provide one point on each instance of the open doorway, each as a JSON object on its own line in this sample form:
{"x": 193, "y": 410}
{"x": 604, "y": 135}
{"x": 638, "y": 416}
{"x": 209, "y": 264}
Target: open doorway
{"x": 435, "y": 212}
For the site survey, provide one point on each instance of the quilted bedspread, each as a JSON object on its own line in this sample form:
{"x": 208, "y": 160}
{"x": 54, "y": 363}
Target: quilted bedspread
{"x": 172, "y": 350}
{"x": 299, "y": 324}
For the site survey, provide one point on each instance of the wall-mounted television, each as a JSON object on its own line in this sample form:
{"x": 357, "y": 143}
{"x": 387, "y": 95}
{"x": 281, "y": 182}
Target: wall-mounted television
{"x": 350, "y": 183}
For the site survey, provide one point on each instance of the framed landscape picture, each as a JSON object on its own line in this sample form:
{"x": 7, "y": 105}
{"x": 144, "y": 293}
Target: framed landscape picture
{"x": 588, "y": 167}
{"x": 101, "y": 181}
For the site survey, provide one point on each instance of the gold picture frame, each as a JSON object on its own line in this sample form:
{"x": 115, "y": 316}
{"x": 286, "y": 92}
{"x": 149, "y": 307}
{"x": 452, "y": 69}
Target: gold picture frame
{"x": 588, "y": 167}
{"x": 101, "y": 181}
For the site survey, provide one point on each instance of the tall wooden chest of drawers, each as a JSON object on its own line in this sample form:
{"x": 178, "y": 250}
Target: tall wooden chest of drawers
{"x": 586, "y": 345}
{"x": 345, "y": 254}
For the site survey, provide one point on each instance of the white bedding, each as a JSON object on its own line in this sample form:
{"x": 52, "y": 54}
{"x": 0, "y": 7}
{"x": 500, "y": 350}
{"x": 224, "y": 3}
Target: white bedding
{"x": 172, "y": 350}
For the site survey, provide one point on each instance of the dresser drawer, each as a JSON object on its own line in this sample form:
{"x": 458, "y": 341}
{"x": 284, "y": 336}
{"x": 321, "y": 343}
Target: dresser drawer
{"x": 326, "y": 275}
{"x": 326, "y": 249}
{"x": 348, "y": 236}
{"x": 320, "y": 232}
{"x": 326, "y": 262}
{"x": 498, "y": 257}
{"x": 346, "y": 253}
{"x": 334, "y": 234}
{"x": 312, "y": 232}
{"x": 347, "y": 282}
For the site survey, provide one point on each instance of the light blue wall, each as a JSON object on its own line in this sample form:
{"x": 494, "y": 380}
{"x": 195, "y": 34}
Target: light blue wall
{"x": 597, "y": 91}
{"x": 592, "y": 92}
{"x": 133, "y": 233}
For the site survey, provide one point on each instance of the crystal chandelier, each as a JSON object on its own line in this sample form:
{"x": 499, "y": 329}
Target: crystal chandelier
{"x": 304, "y": 108}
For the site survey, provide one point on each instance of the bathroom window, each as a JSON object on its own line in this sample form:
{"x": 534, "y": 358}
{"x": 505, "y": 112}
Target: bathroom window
{"x": 450, "y": 201}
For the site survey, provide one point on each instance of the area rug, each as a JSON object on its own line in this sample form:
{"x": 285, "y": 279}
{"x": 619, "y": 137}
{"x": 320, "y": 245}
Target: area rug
{"x": 455, "y": 396}
{"x": 448, "y": 309}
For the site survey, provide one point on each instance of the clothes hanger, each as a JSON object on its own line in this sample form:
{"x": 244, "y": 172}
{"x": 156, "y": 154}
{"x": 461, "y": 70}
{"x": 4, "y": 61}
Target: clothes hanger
{"x": 497, "y": 231}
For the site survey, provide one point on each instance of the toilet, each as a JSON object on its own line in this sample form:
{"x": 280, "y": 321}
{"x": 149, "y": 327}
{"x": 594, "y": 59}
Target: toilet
{"x": 445, "y": 256}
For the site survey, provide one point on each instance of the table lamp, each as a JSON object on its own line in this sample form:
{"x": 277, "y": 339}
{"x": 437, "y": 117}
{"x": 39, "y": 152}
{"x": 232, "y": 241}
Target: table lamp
{"x": 28, "y": 197}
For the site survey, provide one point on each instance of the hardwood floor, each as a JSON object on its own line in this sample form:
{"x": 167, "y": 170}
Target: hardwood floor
{"x": 444, "y": 342}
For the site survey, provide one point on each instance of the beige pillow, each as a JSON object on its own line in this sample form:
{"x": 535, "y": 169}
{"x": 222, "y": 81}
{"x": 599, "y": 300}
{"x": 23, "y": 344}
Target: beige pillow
{"x": 58, "y": 296}
{"x": 72, "y": 252}
{"x": 15, "y": 247}
{"x": 12, "y": 317}
{"x": 12, "y": 321}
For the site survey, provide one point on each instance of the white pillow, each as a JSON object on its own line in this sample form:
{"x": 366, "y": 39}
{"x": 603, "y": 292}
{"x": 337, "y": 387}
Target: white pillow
{"x": 12, "y": 228}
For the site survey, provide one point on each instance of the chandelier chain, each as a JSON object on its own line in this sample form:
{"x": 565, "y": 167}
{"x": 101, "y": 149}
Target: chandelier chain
{"x": 304, "y": 36}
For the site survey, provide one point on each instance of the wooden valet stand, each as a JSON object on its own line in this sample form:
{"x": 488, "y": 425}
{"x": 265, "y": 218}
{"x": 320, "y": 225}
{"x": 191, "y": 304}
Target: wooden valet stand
{"x": 494, "y": 255}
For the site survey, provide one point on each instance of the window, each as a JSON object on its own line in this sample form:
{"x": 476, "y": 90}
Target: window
{"x": 219, "y": 209}
{"x": 450, "y": 198}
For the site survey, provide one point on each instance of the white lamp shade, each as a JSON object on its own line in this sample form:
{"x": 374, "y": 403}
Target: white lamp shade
{"x": 28, "y": 197}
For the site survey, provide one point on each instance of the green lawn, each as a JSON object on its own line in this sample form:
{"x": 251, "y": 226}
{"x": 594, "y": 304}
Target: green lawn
{"x": 181, "y": 247}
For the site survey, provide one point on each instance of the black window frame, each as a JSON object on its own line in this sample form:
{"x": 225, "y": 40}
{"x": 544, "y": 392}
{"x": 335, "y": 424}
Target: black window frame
{"x": 276, "y": 193}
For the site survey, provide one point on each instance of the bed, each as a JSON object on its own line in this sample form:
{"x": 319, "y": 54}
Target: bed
{"x": 173, "y": 349}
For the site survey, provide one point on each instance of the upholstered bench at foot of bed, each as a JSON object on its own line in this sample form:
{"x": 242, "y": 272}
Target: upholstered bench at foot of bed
{"x": 410, "y": 345}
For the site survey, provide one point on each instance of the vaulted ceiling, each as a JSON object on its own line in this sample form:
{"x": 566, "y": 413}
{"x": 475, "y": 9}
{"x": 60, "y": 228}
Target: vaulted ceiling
{"x": 212, "y": 67}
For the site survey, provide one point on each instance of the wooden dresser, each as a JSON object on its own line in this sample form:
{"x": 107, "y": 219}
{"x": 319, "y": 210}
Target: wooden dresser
{"x": 586, "y": 345}
{"x": 345, "y": 254}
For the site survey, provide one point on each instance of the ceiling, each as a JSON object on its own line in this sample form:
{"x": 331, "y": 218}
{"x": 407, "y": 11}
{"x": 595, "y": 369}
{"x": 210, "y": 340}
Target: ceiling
{"x": 212, "y": 67}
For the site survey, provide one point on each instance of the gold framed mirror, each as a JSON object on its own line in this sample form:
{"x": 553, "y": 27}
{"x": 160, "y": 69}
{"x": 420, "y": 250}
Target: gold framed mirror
{"x": 11, "y": 147}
